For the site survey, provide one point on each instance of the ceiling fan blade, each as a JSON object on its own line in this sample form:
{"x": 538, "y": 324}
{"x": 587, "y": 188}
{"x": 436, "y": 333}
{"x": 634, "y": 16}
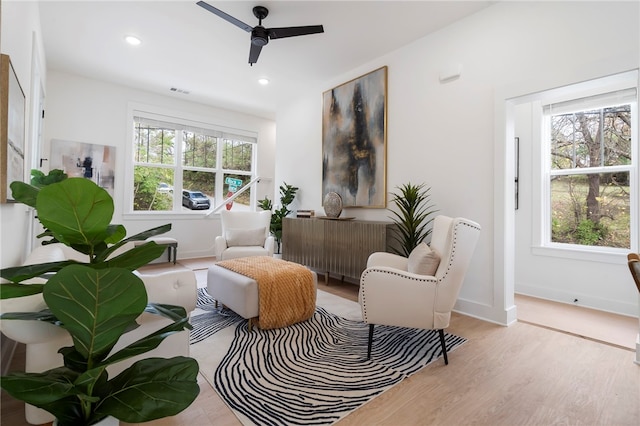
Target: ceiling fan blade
{"x": 254, "y": 53}
{"x": 238, "y": 23}
{"x": 294, "y": 31}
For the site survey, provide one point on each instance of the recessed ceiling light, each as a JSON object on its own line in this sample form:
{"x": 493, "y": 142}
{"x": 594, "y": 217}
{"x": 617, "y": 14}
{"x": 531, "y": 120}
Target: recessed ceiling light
{"x": 133, "y": 40}
{"x": 263, "y": 81}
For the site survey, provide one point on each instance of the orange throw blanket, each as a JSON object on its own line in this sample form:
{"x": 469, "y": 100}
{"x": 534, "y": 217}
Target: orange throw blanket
{"x": 286, "y": 291}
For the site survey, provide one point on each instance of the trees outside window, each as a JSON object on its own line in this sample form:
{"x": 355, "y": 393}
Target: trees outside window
{"x": 590, "y": 171}
{"x": 169, "y": 157}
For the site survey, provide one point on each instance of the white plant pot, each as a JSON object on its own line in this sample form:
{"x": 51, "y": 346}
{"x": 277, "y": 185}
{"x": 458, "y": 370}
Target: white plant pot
{"x": 109, "y": 421}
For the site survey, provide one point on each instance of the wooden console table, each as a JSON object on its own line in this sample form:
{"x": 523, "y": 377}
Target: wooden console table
{"x": 340, "y": 247}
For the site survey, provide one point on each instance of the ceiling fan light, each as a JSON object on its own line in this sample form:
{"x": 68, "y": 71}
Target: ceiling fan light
{"x": 132, "y": 40}
{"x": 260, "y": 41}
{"x": 264, "y": 81}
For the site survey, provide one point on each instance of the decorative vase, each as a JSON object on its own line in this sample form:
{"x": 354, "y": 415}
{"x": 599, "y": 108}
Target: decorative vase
{"x": 332, "y": 204}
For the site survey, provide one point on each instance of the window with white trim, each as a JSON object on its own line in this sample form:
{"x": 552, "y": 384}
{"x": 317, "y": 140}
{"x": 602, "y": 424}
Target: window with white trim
{"x": 183, "y": 166}
{"x": 590, "y": 175}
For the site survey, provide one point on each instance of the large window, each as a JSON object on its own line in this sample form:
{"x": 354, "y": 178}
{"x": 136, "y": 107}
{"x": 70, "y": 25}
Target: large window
{"x": 591, "y": 172}
{"x": 180, "y": 166}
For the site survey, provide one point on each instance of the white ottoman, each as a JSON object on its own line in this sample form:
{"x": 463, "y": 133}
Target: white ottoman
{"x": 237, "y": 292}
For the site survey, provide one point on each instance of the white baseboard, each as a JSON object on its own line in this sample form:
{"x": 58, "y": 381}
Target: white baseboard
{"x": 485, "y": 312}
{"x": 616, "y": 307}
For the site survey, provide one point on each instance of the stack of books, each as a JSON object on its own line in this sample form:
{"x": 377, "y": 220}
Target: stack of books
{"x": 305, "y": 213}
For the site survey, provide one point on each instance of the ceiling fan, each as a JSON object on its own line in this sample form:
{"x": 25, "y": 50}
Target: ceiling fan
{"x": 260, "y": 35}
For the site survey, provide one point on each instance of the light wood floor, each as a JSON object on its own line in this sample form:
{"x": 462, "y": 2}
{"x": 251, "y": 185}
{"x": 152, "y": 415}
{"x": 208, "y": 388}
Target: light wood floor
{"x": 519, "y": 375}
{"x": 591, "y": 324}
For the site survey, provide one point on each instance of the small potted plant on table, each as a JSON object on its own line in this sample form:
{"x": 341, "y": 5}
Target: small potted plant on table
{"x": 287, "y": 195}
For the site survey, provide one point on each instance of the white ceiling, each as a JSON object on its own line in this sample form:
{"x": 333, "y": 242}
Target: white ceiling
{"x": 186, "y": 47}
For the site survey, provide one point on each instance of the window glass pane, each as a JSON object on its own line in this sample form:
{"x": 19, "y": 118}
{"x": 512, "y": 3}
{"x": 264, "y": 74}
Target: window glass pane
{"x": 152, "y": 188}
{"x": 153, "y": 145}
{"x": 591, "y": 209}
{"x": 198, "y": 190}
{"x": 199, "y": 150}
{"x": 230, "y": 187}
{"x": 237, "y": 155}
{"x": 617, "y": 136}
{"x": 594, "y": 138}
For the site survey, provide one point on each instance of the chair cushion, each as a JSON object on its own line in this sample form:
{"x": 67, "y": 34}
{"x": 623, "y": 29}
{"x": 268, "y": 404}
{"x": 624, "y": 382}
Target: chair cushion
{"x": 423, "y": 260}
{"x": 245, "y": 237}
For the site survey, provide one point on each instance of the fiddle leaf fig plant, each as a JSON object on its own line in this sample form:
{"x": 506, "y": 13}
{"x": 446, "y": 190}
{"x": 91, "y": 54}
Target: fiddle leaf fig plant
{"x": 287, "y": 195}
{"x": 412, "y": 217}
{"x": 96, "y": 303}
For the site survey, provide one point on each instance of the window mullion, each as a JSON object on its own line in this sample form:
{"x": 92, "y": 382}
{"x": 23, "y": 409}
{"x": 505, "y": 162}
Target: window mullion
{"x": 219, "y": 171}
{"x": 590, "y": 170}
{"x": 178, "y": 183}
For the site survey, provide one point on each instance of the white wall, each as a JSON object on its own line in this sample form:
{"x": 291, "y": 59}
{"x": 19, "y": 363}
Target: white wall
{"x": 90, "y": 111}
{"x": 20, "y": 38}
{"x": 445, "y": 134}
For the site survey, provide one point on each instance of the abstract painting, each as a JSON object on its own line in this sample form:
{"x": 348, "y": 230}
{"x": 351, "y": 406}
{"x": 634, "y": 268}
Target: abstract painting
{"x": 354, "y": 139}
{"x": 91, "y": 161}
{"x": 12, "y": 128}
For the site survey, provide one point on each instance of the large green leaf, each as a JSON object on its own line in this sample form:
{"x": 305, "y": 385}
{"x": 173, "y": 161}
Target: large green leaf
{"x": 10, "y": 290}
{"x": 67, "y": 411}
{"x": 172, "y": 312}
{"x": 76, "y": 211}
{"x": 39, "y": 179}
{"x": 101, "y": 249}
{"x": 149, "y": 342}
{"x": 137, "y": 237}
{"x": 45, "y": 316}
{"x": 151, "y": 389}
{"x": 24, "y": 193}
{"x": 73, "y": 359}
{"x": 95, "y": 305}
{"x": 158, "y": 230}
{"x": 115, "y": 233}
{"x": 136, "y": 257}
{"x": 40, "y": 388}
{"x": 52, "y": 391}
{"x": 92, "y": 383}
{"x": 18, "y": 274}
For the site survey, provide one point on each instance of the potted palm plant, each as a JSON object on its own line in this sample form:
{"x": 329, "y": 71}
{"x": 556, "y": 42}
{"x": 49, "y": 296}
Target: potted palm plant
{"x": 411, "y": 217}
{"x": 287, "y": 195}
{"x": 96, "y": 303}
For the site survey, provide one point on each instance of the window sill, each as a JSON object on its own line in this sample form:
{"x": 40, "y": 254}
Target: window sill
{"x": 587, "y": 254}
{"x": 153, "y": 215}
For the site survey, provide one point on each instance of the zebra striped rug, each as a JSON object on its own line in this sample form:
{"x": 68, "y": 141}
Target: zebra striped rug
{"x": 314, "y": 372}
{"x": 209, "y": 319}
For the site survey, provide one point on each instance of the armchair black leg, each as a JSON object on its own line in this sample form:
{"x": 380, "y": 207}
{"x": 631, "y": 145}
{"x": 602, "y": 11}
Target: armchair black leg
{"x": 370, "y": 341}
{"x": 444, "y": 347}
